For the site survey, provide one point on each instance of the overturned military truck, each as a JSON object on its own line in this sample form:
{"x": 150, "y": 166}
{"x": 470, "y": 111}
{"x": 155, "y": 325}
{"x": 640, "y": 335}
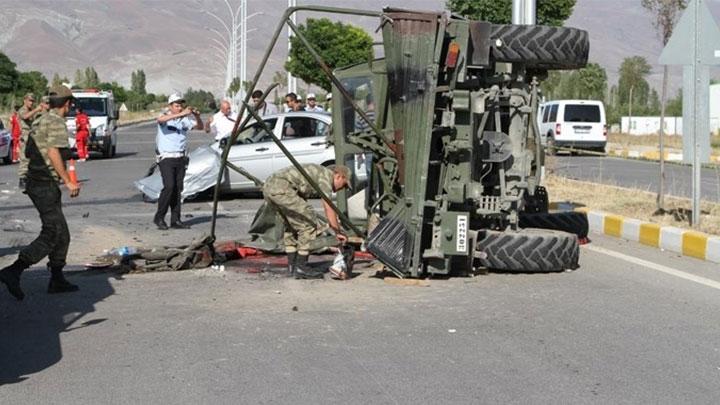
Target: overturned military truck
{"x": 442, "y": 140}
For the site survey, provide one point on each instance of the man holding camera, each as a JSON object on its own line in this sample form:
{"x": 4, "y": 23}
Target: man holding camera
{"x": 171, "y": 140}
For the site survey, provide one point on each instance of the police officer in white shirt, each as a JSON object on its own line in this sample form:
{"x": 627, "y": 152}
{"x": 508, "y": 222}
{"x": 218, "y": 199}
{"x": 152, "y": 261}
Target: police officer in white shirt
{"x": 222, "y": 123}
{"x": 171, "y": 139}
{"x": 312, "y": 105}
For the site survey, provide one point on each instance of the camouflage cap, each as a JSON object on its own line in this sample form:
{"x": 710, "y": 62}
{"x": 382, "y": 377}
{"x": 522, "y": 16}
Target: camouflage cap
{"x": 29, "y": 96}
{"x": 60, "y": 91}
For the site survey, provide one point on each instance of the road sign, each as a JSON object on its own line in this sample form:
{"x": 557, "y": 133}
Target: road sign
{"x": 695, "y": 43}
{"x": 683, "y": 48}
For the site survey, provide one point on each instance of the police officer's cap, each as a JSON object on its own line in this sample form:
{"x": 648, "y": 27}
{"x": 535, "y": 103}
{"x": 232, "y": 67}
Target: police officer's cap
{"x": 176, "y": 98}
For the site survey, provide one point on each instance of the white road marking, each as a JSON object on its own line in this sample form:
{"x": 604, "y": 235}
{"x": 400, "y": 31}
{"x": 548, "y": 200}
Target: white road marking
{"x": 657, "y": 267}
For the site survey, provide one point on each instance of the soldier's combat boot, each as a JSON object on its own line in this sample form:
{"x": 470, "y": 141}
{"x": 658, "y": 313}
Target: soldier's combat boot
{"x": 303, "y": 271}
{"x": 58, "y": 283}
{"x": 291, "y": 258}
{"x": 10, "y": 276}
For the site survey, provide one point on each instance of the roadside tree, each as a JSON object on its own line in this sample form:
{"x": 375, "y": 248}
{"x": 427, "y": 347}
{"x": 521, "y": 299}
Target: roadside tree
{"x": 32, "y": 81}
{"x": 137, "y": 81}
{"x": 8, "y": 78}
{"x": 337, "y": 43}
{"x": 57, "y": 80}
{"x": 91, "y": 77}
{"x": 549, "y": 12}
{"x": 234, "y": 87}
{"x": 200, "y": 99}
{"x": 592, "y": 82}
{"x": 280, "y": 77}
{"x": 633, "y": 88}
{"x": 119, "y": 92}
{"x": 588, "y": 83}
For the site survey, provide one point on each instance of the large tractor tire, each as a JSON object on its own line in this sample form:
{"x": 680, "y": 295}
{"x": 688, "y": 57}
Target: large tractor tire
{"x": 570, "y": 222}
{"x": 541, "y": 47}
{"x": 528, "y": 250}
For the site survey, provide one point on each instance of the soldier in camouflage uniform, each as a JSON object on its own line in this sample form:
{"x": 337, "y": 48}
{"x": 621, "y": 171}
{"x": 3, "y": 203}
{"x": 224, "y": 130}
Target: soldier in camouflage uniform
{"x": 27, "y": 114}
{"x": 47, "y": 150}
{"x": 288, "y": 191}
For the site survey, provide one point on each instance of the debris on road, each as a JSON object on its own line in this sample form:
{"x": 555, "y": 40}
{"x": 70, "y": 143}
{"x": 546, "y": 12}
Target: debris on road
{"x": 201, "y": 175}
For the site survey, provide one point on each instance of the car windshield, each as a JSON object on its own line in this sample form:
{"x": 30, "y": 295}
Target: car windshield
{"x": 92, "y": 106}
{"x": 582, "y": 113}
{"x": 255, "y": 133}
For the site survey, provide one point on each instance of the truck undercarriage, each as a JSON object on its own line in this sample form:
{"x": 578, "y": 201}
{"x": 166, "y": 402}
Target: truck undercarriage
{"x": 445, "y": 125}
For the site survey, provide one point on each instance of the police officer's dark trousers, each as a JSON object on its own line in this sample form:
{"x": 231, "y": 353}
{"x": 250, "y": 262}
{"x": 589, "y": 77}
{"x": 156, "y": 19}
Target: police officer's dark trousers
{"x": 173, "y": 175}
{"x": 54, "y": 238}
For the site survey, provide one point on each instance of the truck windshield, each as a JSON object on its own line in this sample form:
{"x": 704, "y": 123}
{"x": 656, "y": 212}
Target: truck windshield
{"x": 92, "y": 106}
{"x": 582, "y": 113}
{"x": 361, "y": 90}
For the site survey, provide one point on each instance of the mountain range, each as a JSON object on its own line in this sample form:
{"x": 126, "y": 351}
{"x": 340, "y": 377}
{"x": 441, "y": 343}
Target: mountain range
{"x": 172, "y": 40}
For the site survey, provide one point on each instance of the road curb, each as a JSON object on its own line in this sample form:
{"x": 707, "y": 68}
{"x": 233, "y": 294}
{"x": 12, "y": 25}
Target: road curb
{"x": 683, "y": 241}
{"x": 652, "y": 155}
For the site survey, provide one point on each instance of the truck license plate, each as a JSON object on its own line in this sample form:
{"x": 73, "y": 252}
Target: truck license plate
{"x": 461, "y": 235}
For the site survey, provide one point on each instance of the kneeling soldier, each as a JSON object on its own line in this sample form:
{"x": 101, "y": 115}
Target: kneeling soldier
{"x": 47, "y": 150}
{"x": 288, "y": 191}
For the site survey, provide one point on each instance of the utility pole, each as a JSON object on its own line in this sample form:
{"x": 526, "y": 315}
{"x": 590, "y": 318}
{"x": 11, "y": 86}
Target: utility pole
{"x": 630, "y": 103}
{"x": 243, "y": 46}
{"x": 292, "y": 81}
{"x": 524, "y": 12}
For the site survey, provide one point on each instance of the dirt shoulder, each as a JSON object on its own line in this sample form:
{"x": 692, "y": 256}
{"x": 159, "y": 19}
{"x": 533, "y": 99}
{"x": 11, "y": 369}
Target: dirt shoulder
{"x": 653, "y": 141}
{"x": 632, "y": 203}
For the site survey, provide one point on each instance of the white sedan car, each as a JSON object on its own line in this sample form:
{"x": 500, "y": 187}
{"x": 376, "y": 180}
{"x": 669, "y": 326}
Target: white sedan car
{"x": 5, "y": 145}
{"x": 304, "y": 134}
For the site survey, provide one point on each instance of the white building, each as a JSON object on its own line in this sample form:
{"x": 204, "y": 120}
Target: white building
{"x": 673, "y": 125}
{"x": 650, "y": 125}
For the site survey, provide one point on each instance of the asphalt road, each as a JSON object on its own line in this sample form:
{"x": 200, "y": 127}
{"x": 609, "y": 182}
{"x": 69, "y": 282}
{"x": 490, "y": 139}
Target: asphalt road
{"x": 632, "y": 325}
{"x": 639, "y": 174}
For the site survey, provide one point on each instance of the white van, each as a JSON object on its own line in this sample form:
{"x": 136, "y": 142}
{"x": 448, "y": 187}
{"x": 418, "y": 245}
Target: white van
{"x": 576, "y": 124}
{"x": 99, "y": 105}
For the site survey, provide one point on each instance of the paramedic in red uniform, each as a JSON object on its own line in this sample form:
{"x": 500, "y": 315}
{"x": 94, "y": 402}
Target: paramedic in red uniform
{"x": 82, "y": 133}
{"x": 16, "y": 132}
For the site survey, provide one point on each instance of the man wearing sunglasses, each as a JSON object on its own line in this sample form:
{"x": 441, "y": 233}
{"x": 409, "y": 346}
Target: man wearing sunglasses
{"x": 171, "y": 139}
